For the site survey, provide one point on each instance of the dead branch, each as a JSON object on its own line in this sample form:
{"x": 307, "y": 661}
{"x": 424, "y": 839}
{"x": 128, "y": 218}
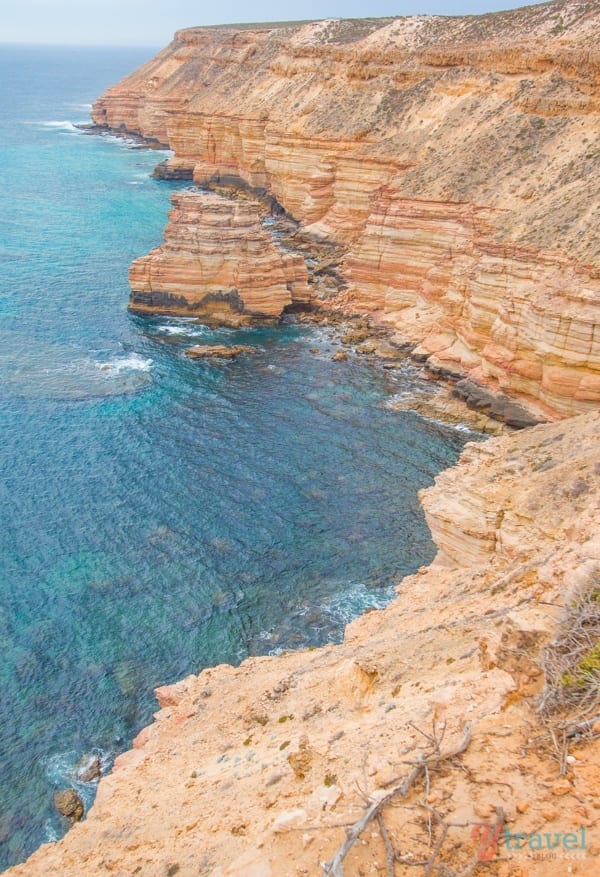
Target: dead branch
{"x": 576, "y": 728}
{"x": 390, "y": 852}
{"x": 561, "y": 748}
{"x": 435, "y": 852}
{"x": 334, "y": 867}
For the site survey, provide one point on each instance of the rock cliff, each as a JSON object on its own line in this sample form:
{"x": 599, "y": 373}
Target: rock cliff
{"x": 453, "y": 160}
{"x": 258, "y": 770}
{"x": 218, "y": 263}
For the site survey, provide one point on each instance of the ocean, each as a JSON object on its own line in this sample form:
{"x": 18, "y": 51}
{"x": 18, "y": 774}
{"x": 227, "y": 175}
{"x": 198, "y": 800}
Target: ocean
{"x": 160, "y": 515}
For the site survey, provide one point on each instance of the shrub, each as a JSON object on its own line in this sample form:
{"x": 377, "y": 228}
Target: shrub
{"x": 571, "y": 663}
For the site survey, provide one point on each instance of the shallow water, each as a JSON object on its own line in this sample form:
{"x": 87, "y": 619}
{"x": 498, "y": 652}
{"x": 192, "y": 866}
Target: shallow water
{"x": 159, "y": 515}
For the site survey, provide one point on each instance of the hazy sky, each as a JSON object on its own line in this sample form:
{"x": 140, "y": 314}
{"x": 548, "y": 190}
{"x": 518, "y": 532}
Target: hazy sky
{"x": 152, "y": 22}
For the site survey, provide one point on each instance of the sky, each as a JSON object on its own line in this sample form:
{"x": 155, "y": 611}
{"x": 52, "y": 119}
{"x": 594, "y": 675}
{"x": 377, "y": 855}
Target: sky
{"x": 153, "y": 22}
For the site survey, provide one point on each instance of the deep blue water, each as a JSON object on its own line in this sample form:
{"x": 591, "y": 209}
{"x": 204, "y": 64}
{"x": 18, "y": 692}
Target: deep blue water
{"x": 159, "y": 515}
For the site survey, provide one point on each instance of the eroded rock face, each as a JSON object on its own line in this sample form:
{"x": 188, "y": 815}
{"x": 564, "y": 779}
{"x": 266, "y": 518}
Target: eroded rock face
{"x": 454, "y": 160}
{"x": 518, "y": 320}
{"x": 217, "y": 262}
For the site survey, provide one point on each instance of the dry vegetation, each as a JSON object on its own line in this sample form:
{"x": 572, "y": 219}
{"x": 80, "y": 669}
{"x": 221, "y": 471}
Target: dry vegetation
{"x": 571, "y": 662}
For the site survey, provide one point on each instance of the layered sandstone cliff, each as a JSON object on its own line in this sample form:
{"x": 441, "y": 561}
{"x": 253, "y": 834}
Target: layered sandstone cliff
{"x": 218, "y": 263}
{"x": 451, "y": 162}
{"x": 258, "y": 770}
{"x": 454, "y": 159}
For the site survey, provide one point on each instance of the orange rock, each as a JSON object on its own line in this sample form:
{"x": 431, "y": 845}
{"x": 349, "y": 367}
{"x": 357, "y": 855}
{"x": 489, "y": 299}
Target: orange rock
{"x": 218, "y": 263}
{"x": 562, "y": 787}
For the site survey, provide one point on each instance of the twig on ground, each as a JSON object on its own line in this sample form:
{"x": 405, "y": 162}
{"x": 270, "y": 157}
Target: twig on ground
{"x": 435, "y": 852}
{"x": 561, "y": 747}
{"x": 334, "y": 867}
{"x": 390, "y": 852}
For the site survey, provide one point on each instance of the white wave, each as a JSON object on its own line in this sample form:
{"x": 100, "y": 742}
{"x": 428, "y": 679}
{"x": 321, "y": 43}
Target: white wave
{"x": 132, "y": 143}
{"x": 133, "y": 362}
{"x": 51, "y": 835}
{"x": 190, "y": 329}
{"x": 63, "y": 768}
{"x": 65, "y": 125}
{"x": 458, "y": 427}
{"x": 354, "y": 600}
{"x": 396, "y": 399}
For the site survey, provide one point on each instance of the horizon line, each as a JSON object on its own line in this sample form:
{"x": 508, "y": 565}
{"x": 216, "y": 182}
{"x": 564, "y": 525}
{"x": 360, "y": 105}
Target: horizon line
{"x": 273, "y": 23}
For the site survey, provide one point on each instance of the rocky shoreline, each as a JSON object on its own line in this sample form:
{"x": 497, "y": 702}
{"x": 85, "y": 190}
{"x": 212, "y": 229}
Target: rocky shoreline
{"x": 426, "y": 188}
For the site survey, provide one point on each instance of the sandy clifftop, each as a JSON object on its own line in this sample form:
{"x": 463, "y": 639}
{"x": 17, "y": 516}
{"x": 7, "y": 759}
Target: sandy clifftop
{"x": 259, "y": 769}
{"x": 454, "y": 160}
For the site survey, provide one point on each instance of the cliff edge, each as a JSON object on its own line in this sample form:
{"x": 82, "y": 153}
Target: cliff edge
{"x": 261, "y": 769}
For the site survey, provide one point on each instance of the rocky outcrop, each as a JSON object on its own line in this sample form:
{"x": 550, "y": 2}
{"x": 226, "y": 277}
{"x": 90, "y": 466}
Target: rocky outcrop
{"x": 258, "y": 769}
{"x": 454, "y": 161}
{"x": 216, "y": 351}
{"x": 218, "y": 263}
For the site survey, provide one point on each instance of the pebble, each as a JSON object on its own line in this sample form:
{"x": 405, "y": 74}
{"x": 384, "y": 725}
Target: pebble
{"x": 288, "y": 820}
{"x": 274, "y": 778}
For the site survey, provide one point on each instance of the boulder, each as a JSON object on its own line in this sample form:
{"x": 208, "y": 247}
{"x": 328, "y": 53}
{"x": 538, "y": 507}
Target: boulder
{"x": 89, "y": 768}
{"x": 69, "y": 804}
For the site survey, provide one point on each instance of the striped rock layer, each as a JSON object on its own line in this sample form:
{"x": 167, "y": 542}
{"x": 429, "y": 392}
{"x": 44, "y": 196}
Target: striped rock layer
{"x": 454, "y": 159}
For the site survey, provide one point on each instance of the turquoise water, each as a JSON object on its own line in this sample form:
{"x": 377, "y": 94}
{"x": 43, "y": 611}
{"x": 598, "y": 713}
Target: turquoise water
{"x": 159, "y": 515}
